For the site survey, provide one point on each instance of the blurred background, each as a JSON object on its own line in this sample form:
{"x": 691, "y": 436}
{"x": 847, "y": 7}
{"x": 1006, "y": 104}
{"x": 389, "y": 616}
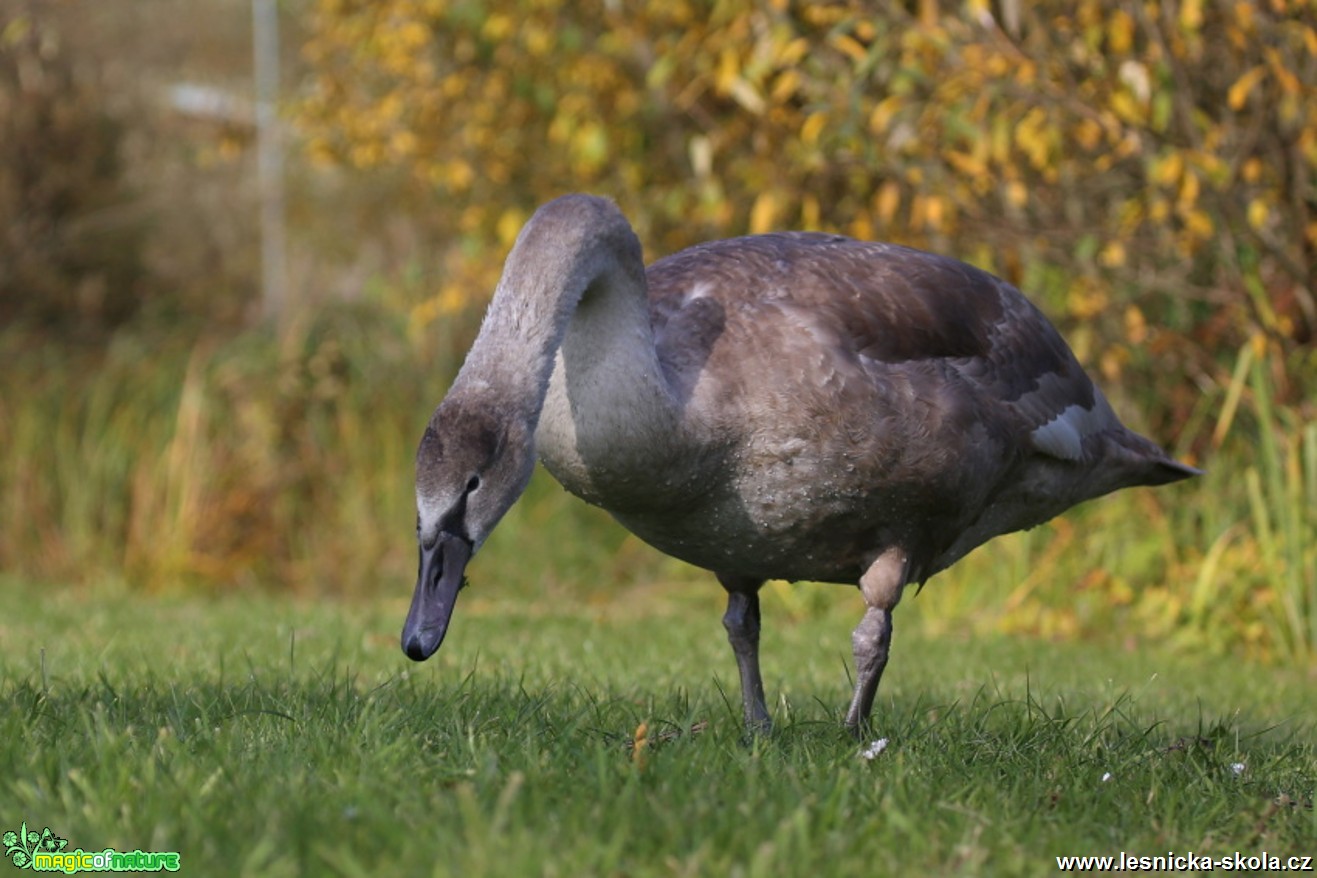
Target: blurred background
{"x": 180, "y": 411}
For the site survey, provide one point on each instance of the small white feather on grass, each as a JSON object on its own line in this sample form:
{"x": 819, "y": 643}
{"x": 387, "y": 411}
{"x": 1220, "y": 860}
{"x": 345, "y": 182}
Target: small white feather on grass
{"x": 874, "y": 749}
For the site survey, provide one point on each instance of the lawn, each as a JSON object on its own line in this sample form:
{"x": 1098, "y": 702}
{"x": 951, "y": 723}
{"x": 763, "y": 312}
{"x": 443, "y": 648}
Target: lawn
{"x": 260, "y": 735}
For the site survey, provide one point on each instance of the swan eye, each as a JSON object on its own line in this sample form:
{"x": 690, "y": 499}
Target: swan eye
{"x": 472, "y": 484}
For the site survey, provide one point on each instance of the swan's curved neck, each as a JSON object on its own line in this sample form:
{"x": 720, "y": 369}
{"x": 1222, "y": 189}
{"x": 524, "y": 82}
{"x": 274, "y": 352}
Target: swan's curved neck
{"x": 567, "y": 345}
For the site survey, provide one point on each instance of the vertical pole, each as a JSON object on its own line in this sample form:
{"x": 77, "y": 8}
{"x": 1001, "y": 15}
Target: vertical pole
{"x": 269, "y": 157}
{"x": 1010, "y": 17}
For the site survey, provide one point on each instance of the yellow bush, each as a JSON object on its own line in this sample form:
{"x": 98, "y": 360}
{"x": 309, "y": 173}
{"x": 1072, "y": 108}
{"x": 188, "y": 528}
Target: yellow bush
{"x": 1165, "y": 150}
{"x": 1147, "y": 170}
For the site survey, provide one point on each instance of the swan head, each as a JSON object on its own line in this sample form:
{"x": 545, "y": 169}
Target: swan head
{"x": 472, "y": 465}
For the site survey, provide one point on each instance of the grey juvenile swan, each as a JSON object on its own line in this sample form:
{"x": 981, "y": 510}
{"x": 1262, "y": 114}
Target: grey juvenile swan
{"x": 784, "y": 406}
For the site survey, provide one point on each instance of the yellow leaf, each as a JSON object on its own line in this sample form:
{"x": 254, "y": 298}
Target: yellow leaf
{"x": 928, "y": 13}
{"x": 1166, "y": 171}
{"x": 320, "y": 153}
{"x": 640, "y": 741}
{"x": 1088, "y": 134}
{"x": 887, "y": 201}
{"x": 1127, "y": 107}
{"x": 366, "y": 155}
{"x": 967, "y": 164}
{"x": 403, "y": 143}
{"x": 813, "y": 127}
{"x": 1017, "y": 194}
{"x": 935, "y": 209}
{"x": 509, "y": 224}
{"x": 590, "y": 146}
{"x": 747, "y": 95}
{"x": 1188, "y": 196}
{"x": 1289, "y": 83}
{"x": 1086, "y": 299}
{"x": 1120, "y": 32}
{"x": 1032, "y": 137}
{"x": 1238, "y": 93}
{"x": 785, "y": 85}
{"x": 451, "y": 300}
{"x": 882, "y": 114}
{"x": 1112, "y": 255}
{"x": 850, "y": 47}
{"x": 1258, "y": 211}
{"x": 1136, "y": 325}
{"x": 1130, "y": 215}
{"x": 413, "y": 35}
{"x": 917, "y": 211}
{"x": 793, "y": 51}
{"x": 729, "y": 70}
{"x": 1199, "y": 224}
{"x": 15, "y": 31}
{"x": 1191, "y": 14}
{"x": 999, "y": 140}
{"x": 861, "y": 227}
{"x": 810, "y": 210}
{"x": 459, "y": 174}
{"x": 1244, "y": 15}
{"x": 763, "y": 215}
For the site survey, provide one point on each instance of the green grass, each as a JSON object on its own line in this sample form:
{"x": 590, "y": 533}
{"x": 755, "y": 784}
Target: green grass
{"x": 258, "y": 735}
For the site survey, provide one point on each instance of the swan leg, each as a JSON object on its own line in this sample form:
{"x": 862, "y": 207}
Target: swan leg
{"x": 742, "y": 623}
{"x": 881, "y": 586}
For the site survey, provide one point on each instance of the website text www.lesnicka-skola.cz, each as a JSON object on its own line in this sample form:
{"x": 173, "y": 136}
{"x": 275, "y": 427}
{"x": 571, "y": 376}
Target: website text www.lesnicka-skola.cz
{"x": 1188, "y": 862}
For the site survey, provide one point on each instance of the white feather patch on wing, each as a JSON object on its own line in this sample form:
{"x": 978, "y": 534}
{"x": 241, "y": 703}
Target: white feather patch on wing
{"x": 698, "y": 290}
{"x": 1060, "y": 437}
{"x": 1063, "y": 436}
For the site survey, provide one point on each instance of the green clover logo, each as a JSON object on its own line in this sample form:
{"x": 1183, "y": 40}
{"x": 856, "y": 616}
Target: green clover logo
{"x": 21, "y": 845}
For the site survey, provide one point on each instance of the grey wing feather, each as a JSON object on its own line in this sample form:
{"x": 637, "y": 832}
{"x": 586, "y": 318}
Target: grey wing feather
{"x": 891, "y": 305}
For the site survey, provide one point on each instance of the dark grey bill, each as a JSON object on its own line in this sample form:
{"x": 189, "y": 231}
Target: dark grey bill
{"x": 437, "y": 583}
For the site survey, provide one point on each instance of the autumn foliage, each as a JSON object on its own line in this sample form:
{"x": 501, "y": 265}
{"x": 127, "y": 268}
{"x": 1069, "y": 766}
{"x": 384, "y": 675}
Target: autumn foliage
{"x": 1146, "y": 171}
{"x": 1144, "y": 168}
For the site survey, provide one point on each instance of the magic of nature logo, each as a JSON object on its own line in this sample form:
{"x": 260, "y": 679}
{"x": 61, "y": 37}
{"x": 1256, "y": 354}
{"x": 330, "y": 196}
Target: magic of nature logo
{"x": 46, "y": 852}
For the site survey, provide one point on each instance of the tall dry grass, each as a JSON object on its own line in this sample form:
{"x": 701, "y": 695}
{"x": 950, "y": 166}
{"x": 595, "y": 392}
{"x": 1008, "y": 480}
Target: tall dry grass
{"x": 254, "y": 459}
{"x": 285, "y": 461}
